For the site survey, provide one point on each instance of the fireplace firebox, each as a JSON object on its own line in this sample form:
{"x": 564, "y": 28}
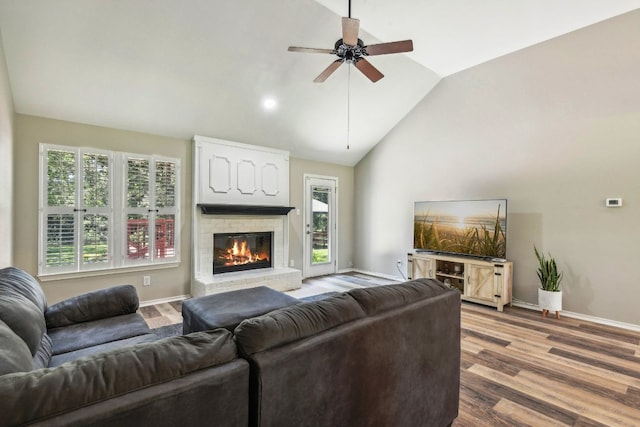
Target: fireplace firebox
{"x": 242, "y": 251}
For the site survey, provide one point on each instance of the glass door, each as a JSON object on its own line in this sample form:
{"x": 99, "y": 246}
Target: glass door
{"x": 320, "y": 226}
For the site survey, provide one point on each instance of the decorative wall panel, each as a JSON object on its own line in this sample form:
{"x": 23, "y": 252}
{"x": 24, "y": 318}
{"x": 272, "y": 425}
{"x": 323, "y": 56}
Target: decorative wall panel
{"x": 270, "y": 179}
{"x": 246, "y": 177}
{"x": 228, "y": 172}
{"x": 219, "y": 174}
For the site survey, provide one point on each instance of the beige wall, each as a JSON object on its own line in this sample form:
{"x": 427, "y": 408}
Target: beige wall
{"x": 554, "y": 128}
{"x": 345, "y": 175}
{"x": 29, "y": 132}
{"x": 6, "y": 164}
{"x": 166, "y": 283}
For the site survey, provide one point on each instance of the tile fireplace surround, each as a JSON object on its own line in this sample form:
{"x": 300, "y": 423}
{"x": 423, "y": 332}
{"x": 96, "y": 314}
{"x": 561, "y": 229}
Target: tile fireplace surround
{"x": 278, "y": 277}
{"x": 240, "y": 188}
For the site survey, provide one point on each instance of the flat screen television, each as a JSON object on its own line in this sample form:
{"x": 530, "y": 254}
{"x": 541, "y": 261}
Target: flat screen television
{"x": 468, "y": 227}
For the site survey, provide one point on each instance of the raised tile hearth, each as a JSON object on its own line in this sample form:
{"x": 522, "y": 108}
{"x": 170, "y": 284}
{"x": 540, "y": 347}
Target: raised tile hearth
{"x": 281, "y": 279}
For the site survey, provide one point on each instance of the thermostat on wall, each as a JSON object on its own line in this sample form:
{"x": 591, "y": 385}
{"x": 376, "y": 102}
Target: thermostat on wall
{"x": 613, "y": 203}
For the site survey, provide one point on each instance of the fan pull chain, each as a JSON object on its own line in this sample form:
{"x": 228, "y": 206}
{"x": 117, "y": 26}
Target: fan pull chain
{"x": 348, "y": 102}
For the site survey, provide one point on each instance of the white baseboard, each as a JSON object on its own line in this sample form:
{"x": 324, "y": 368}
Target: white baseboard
{"x": 580, "y": 316}
{"x": 164, "y": 300}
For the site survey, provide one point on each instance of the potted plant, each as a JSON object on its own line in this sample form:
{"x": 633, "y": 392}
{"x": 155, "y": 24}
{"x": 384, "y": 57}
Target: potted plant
{"x": 549, "y": 294}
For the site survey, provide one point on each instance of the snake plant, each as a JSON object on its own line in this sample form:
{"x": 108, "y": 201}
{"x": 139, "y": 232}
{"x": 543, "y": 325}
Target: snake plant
{"x": 548, "y": 273}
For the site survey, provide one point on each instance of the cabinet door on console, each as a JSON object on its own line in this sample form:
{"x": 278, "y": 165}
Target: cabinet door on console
{"x": 480, "y": 282}
{"x": 423, "y": 268}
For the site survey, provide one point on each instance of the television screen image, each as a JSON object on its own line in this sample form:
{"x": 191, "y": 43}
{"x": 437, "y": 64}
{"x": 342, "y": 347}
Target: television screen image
{"x": 471, "y": 227}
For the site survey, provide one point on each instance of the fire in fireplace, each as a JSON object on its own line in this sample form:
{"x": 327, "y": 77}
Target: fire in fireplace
{"x": 241, "y": 251}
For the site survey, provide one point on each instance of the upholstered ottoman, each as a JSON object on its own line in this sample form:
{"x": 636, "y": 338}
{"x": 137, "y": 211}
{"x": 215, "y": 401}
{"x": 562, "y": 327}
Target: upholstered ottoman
{"x": 228, "y": 309}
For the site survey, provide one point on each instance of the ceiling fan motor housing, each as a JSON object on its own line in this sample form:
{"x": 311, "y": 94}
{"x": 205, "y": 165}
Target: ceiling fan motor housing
{"x": 349, "y": 53}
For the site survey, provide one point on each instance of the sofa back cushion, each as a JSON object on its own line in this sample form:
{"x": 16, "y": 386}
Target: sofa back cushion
{"x": 33, "y": 395}
{"x": 382, "y": 298}
{"x": 18, "y": 281}
{"x": 24, "y": 318}
{"x": 22, "y": 306}
{"x": 14, "y": 353}
{"x": 295, "y": 322}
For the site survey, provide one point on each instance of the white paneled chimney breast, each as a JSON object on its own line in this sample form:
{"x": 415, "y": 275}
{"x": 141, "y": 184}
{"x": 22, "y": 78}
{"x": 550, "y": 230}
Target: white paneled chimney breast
{"x": 240, "y": 188}
{"x": 233, "y": 173}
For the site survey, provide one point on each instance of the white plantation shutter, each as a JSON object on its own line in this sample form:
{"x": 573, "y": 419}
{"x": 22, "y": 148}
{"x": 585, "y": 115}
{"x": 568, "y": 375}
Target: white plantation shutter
{"x": 82, "y": 201}
{"x": 97, "y": 209}
{"x": 165, "y": 198}
{"x": 151, "y": 209}
{"x": 76, "y": 209}
{"x": 138, "y": 209}
{"x": 60, "y": 250}
{"x": 61, "y": 173}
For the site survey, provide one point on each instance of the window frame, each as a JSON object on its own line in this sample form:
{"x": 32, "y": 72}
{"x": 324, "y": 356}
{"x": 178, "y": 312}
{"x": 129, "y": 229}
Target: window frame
{"x": 116, "y": 211}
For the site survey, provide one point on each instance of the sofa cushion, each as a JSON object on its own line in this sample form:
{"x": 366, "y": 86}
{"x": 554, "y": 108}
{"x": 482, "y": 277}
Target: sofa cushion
{"x": 382, "y": 298}
{"x": 23, "y": 317}
{"x": 23, "y": 283}
{"x": 96, "y": 305}
{"x": 295, "y": 322}
{"x": 32, "y": 395}
{"x": 61, "y": 358}
{"x": 14, "y": 353}
{"x": 88, "y": 334}
{"x": 43, "y": 355}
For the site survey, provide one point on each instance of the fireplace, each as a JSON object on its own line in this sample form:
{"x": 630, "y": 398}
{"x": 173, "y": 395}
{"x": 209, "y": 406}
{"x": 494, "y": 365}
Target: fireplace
{"x": 238, "y": 189}
{"x": 242, "y": 251}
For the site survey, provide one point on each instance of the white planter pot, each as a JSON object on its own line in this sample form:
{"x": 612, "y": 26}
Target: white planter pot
{"x": 550, "y": 301}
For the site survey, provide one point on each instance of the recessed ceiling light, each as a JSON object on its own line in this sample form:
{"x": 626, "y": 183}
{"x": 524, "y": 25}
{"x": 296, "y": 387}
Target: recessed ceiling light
{"x": 269, "y": 103}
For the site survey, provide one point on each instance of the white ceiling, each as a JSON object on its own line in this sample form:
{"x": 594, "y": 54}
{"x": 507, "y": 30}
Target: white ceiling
{"x": 183, "y": 67}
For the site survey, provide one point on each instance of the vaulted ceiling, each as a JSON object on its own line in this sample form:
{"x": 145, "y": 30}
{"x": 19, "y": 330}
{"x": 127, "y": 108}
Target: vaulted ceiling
{"x": 183, "y": 67}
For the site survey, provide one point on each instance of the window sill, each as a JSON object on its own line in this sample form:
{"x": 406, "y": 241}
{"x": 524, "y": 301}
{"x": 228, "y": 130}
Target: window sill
{"x": 107, "y": 271}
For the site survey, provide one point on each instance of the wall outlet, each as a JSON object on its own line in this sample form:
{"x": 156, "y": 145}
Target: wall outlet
{"x": 399, "y": 262}
{"x": 291, "y": 263}
{"x": 146, "y": 280}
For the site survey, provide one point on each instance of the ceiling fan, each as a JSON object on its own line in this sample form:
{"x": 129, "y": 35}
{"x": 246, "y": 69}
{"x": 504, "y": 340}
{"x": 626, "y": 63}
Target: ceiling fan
{"x": 351, "y": 49}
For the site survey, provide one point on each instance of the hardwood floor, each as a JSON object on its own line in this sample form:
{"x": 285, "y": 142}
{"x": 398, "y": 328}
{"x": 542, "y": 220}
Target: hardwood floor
{"x": 519, "y": 369}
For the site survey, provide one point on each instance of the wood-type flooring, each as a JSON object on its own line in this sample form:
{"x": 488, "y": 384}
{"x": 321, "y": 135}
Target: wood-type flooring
{"x": 518, "y": 368}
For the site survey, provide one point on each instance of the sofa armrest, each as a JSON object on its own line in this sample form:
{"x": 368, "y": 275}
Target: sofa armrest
{"x": 45, "y": 393}
{"x": 95, "y": 305}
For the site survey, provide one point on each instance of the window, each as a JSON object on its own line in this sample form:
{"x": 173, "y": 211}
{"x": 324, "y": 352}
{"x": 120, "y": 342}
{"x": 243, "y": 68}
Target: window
{"x": 150, "y": 208}
{"x": 101, "y": 209}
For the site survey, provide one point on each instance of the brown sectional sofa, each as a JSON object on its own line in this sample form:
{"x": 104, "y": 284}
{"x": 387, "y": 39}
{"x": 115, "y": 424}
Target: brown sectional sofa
{"x": 92, "y": 360}
{"x": 383, "y": 356}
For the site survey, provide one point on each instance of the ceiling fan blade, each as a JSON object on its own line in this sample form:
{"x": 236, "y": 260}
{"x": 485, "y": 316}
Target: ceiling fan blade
{"x": 391, "y": 47}
{"x": 368, "y": 70}
{"x": 309, "y": 50}
{"x": 350, "y": 28}
{"x": 328, "y": 71}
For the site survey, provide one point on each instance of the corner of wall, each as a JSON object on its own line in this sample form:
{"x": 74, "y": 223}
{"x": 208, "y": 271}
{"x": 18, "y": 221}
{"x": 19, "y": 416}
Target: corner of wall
{"x": 6, "y": 163}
